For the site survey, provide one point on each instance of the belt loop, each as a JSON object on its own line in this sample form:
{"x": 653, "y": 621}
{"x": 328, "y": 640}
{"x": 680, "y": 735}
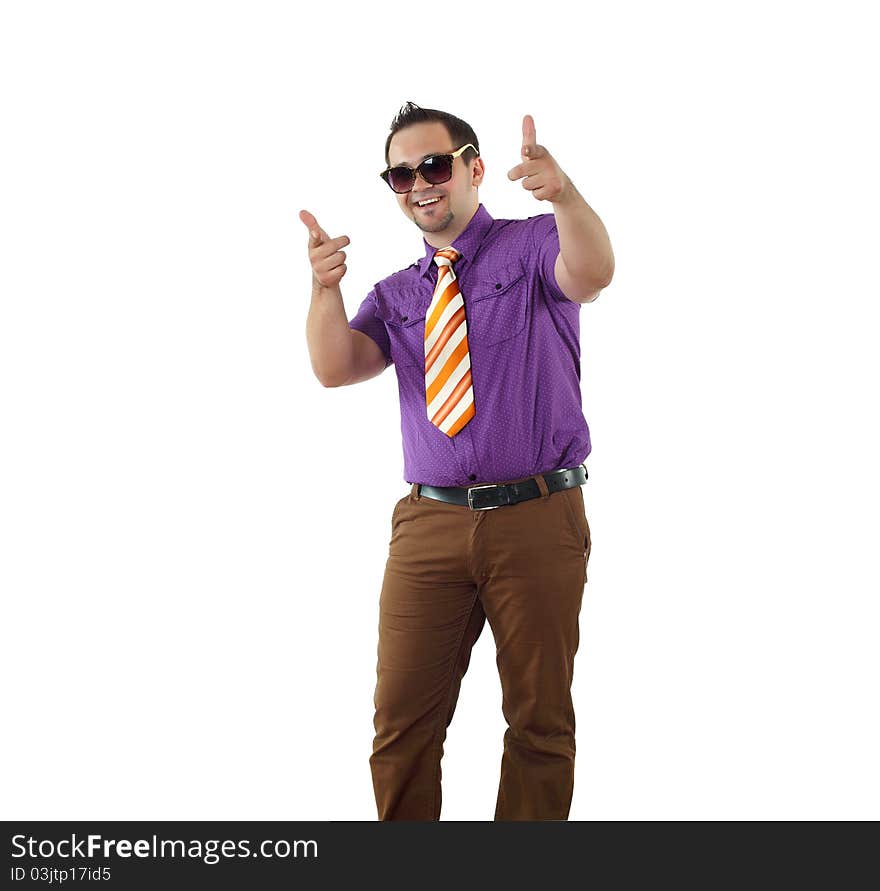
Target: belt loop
{"x": 542, "y": 485}
{"x": 416, "y": 493}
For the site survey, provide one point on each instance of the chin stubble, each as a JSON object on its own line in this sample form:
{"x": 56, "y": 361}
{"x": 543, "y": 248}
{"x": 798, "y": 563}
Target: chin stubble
{"x": 442, "y": 224}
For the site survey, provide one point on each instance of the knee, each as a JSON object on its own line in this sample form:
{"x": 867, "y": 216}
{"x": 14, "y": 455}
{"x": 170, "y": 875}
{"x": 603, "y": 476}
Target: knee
{"x": 401, "y": 706}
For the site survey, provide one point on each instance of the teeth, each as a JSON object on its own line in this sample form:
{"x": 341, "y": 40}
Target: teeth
{"x": 429, "y": 201}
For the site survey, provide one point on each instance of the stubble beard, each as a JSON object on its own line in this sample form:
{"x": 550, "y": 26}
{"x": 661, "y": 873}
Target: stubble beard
{"x": 437, "y": 225}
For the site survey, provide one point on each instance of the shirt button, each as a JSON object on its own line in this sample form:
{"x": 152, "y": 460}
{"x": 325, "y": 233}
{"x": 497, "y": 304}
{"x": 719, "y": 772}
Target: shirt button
{"x": 498, "y": 287}
{"x": 472, "y": 476}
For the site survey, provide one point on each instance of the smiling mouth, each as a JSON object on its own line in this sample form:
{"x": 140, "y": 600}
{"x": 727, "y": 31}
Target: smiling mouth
{"x": 430, "y": 202}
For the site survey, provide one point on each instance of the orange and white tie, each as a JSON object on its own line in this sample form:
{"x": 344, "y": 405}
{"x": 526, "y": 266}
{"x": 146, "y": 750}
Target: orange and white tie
{"x": 448, "y": 389}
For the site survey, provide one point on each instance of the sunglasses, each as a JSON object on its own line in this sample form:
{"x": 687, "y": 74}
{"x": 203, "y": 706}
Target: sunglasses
{"x": 434, "y": 170}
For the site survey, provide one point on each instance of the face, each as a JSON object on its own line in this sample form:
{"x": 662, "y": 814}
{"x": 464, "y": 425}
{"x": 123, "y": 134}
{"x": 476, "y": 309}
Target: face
{"x": 444, "y": 220}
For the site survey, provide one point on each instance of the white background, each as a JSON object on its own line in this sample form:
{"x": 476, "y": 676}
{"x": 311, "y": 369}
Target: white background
{"x": 194, "y": 531}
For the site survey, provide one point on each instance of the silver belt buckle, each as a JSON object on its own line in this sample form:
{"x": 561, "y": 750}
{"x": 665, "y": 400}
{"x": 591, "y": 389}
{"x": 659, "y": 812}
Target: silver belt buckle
{"x": 471, "y": 500}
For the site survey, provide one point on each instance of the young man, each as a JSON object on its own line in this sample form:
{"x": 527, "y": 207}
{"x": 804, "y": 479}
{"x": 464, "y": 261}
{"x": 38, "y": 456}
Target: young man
{"x": 483, "y": 331}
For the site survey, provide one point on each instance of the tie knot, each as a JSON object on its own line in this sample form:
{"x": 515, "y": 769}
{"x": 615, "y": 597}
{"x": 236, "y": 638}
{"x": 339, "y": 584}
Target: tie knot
{"x": 446, "y": 256}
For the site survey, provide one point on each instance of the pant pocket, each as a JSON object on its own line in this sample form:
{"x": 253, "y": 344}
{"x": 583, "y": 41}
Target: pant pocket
{"x": 396, "y": 510}
{"x": 574, "y": 507}
{"x": 588, "y": 546}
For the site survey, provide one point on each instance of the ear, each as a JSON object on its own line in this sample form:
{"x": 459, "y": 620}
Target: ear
{"x": 478, "y": 173}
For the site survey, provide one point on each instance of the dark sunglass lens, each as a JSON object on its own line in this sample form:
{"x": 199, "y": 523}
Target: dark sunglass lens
{"x": 401, "y": 179}
{"x": 436, "y": 169}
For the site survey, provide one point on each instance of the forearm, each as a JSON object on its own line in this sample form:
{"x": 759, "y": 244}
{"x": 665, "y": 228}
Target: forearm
{"x": 329, "y": 336}
{"x": 583, "y": 241}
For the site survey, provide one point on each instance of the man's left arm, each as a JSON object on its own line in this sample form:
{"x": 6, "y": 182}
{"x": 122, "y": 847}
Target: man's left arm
{"x": 585, "y": 264}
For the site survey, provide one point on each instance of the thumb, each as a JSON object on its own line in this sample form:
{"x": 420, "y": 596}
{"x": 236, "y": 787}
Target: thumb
{"x": 528, "y": 138}
{"x": 316, "y": 233}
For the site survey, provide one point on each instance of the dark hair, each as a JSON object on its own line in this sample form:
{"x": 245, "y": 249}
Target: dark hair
{"x": 460, "y": 133}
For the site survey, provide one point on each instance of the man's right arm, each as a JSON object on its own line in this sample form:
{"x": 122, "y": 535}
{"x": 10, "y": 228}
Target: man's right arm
{"x": 340, "y": 355}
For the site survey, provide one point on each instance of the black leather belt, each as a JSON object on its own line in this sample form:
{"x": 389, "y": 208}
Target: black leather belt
{"x": 500, "y": 494}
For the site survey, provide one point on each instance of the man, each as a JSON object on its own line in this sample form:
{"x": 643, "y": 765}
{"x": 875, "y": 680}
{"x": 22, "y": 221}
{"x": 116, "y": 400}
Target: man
{"x": 483, "y": 331}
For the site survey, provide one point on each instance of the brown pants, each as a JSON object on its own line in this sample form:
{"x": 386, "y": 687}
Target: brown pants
{"x": 523, "y": 566}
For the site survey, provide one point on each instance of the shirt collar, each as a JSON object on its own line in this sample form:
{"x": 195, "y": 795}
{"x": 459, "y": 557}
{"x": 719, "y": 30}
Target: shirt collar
{"x": 466, "y": 244}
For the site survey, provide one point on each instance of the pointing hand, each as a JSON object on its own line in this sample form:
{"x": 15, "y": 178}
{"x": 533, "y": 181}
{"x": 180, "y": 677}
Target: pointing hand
{"x": 544, "y": 178}
{"x": 328, "y": 261}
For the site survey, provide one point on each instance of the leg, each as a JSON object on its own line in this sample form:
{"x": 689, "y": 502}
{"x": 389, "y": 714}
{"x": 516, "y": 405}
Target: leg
{"x": 535, "y": 557}
{"x": 429, "y": 619}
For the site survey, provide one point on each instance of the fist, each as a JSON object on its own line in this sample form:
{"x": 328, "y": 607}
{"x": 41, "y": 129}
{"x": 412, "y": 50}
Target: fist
{"x": 539, "y": 172}
{"x": 328, "y": 261}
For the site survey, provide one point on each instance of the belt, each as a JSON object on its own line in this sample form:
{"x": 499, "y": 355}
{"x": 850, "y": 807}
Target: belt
{"x": 501, "y": 494}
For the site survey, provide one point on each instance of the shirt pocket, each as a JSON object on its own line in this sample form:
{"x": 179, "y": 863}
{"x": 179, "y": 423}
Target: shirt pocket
{"x": 496, "y": 305}
{"x": 404, "y": 317}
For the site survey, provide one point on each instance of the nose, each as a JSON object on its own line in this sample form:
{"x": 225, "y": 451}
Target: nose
{"x": 418, "y": 176}
{"x": 425, "y": 185}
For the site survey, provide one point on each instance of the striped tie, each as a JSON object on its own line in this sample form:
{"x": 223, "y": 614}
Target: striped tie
{"x": 448, "y": 389}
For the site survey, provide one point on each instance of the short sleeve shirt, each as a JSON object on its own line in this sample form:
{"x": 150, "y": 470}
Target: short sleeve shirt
{"x": 523, "y": 338}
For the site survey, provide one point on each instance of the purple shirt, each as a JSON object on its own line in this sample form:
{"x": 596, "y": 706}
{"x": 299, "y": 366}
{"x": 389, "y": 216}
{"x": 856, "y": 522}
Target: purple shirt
{"x": 523, "y": 339}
